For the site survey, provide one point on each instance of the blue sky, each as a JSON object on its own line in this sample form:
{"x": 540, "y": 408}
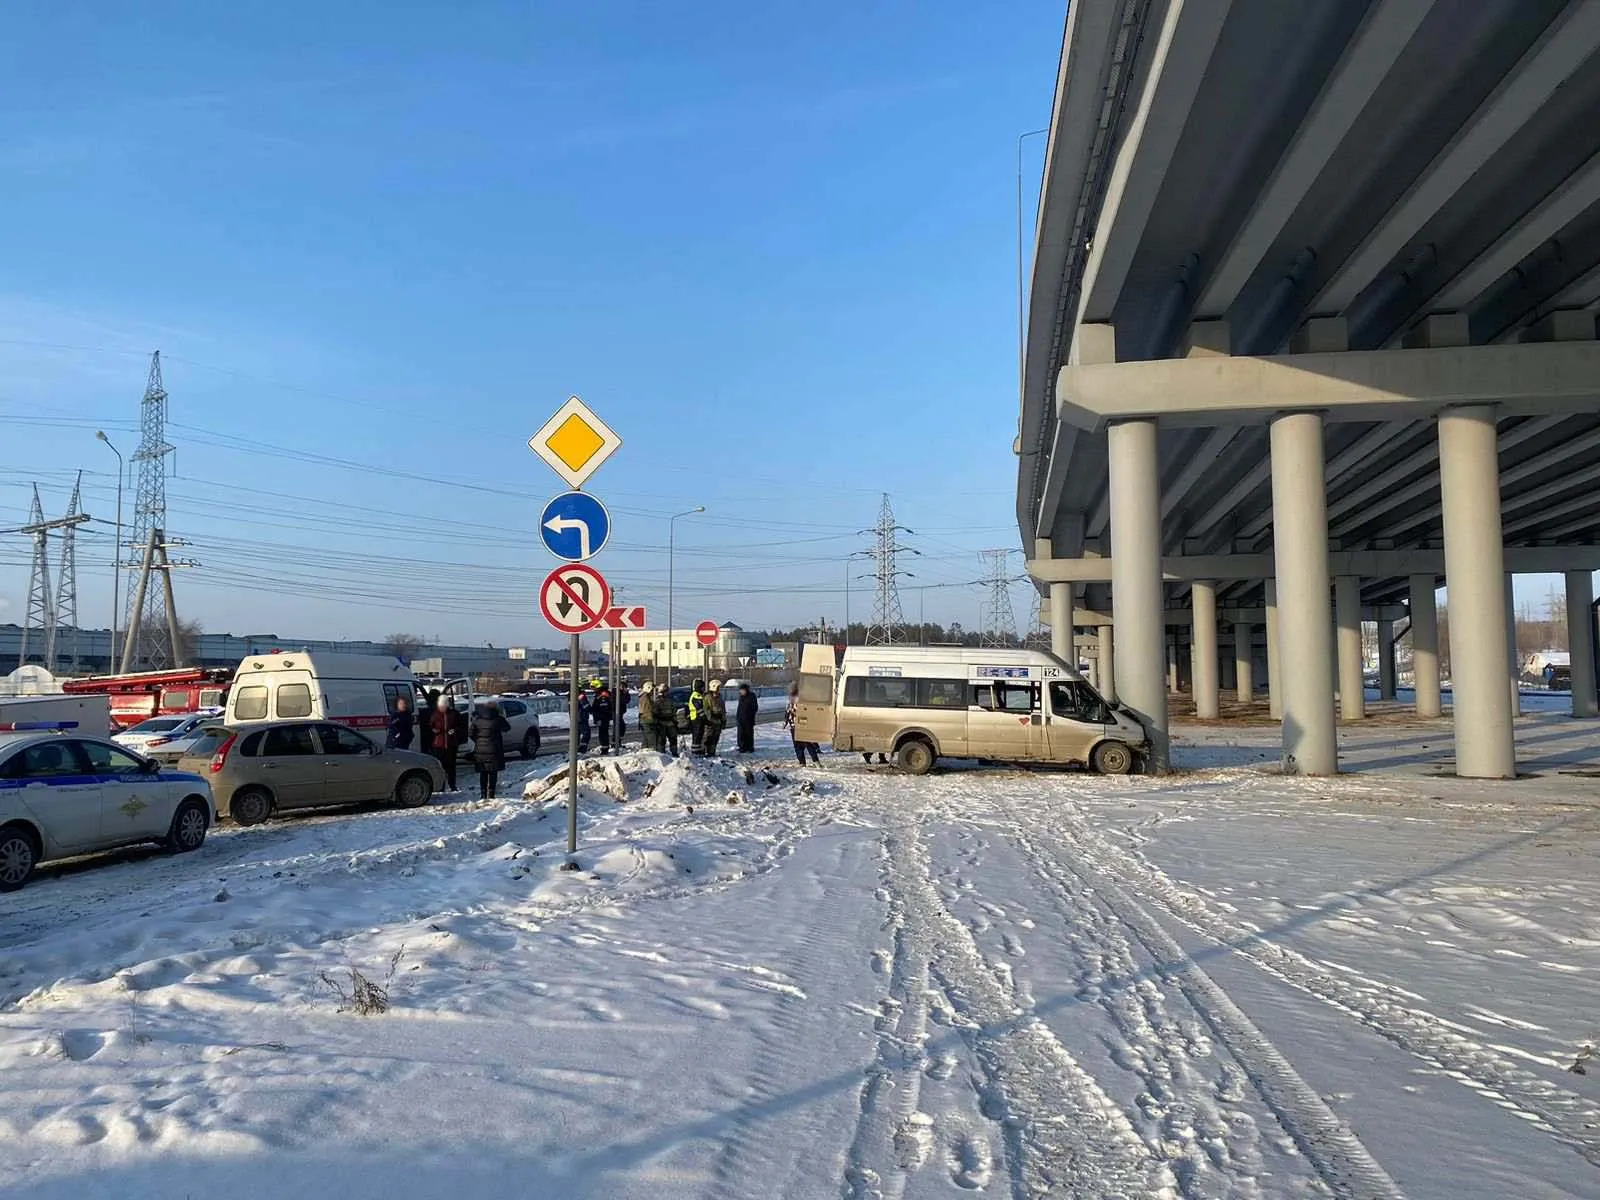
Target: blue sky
{"x": 772, "y": 245}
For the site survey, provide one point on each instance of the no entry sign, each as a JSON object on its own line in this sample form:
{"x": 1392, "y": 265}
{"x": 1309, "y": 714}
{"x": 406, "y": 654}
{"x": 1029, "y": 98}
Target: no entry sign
{"x": 706, "y": 633}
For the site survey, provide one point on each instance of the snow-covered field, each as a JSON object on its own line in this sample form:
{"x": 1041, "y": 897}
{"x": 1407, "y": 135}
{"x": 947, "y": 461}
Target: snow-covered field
{"x": 840, "y": 982}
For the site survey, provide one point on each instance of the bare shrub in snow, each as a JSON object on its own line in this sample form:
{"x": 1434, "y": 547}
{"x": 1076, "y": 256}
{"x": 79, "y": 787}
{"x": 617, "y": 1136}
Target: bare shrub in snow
{"x": 359, "y": 994}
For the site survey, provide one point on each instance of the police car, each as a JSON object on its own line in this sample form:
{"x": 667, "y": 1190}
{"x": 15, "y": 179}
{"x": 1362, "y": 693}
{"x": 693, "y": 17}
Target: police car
{"x": 62, "y": 794}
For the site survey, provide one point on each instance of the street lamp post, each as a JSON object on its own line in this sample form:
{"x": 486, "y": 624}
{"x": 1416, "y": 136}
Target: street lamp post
{"x": 116, "y": 554}
{"x": 671, "y": 550}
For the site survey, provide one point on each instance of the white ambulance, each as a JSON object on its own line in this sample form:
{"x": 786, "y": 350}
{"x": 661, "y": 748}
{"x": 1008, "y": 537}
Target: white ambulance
{"x": 358, "y": 690}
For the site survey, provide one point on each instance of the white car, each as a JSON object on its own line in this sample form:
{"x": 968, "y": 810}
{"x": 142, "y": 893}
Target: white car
{"x": 155, "y": 736}
{"x": 521, "y": 713}
{"x": 62, "y": 795}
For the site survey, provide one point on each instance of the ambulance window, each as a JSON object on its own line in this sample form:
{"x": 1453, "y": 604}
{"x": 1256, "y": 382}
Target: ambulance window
{"x": 294, "y": 700}
{"x": 250, "y": 704}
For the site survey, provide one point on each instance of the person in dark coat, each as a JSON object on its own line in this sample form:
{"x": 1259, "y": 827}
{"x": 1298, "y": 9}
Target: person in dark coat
{"x": 584, "y": 712}
{"x": 666, "y": 723}
{"x": 603, "y": 709}
{"x": 716, "y": 717}
{"x": 489, "y": 729}
{"x": 442, "y": 743}
{"x": 624, "y": 698}
{"x": 746, "y": 719}
{"x": 402, "y": 726}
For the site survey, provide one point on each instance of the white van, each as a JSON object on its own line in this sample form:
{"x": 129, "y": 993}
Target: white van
{"x": 90, "y": 712}
{"x": 358, "y": 690}
{"x": 921, "y": 704}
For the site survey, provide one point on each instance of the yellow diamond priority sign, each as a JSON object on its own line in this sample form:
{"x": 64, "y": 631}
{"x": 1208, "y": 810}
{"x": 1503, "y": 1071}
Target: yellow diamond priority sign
{"x": 574, "y": 442}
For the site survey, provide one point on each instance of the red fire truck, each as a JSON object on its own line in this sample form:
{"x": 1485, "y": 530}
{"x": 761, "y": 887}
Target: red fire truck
{"x": 145, "y": 694}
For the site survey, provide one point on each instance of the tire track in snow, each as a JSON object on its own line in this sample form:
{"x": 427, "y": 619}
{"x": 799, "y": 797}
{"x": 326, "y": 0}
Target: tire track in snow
{"x": 1063, "y": 1135}
{"x": 785, "y": 1051}
{"x": 1393, "y": 1014}
{"x": 1332, "y": 1149}
{"x": 891, "y": 1136}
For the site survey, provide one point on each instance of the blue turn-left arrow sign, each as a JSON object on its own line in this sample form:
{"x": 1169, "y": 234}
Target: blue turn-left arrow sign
{"x": 574, "y": 526}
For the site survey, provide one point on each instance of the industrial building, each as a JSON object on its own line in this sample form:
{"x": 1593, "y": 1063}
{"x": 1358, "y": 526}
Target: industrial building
{"x": 92, "y": 650}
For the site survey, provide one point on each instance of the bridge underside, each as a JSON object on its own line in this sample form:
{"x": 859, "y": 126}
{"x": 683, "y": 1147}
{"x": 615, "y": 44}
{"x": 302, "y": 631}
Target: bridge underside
{"x": 1314, "y": 314}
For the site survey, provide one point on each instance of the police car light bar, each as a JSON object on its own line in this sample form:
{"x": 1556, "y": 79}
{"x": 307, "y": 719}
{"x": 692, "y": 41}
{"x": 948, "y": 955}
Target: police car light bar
{"x": 35, "y": 726}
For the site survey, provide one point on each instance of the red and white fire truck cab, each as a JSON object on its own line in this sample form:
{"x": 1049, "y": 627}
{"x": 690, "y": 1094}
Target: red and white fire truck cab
{"x": 144, "y": 694}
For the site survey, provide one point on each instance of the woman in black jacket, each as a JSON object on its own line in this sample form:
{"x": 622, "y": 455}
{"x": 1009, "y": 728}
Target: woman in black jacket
{"x": 489, "y": 729}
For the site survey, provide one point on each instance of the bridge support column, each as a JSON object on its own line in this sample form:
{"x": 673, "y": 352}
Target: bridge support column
{"x": 1386, "y": 670}
{"x": 1474, "y": 566}
{"x": 1352, "y": 675}
{"x": 1274, "y": 665}
{"x": 1140, "y": 632}
{"x": 1300, "y": 544}
{"x": 1106, "y": 664}
{"x": 1580, "y": 638}
{"x": 1513, "y": 659}
{"x": 1062, "y": 642}
{"x": 1425, "y": 646}
{"x": 1203, "y": 611}
{"x": 1244, "y": 669}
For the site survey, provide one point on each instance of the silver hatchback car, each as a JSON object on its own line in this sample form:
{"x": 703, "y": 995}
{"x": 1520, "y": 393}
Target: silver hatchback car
{"x": 258, "y": 770}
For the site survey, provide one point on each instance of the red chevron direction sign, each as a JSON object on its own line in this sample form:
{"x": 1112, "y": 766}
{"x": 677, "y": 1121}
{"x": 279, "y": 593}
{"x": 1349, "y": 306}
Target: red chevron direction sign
{"x": 574, "y": 598}
{"x": 626, "y": 617}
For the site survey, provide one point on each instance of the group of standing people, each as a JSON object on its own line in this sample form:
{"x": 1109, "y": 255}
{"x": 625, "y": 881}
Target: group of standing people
{"x": 708, "y": 717}
{"x": 445, "y": 729}
{"x": 606, "y": 713}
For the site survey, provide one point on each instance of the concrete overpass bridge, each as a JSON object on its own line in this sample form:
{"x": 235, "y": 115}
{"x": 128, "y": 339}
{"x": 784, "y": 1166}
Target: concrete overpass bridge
{"x": 1312, "y": 331}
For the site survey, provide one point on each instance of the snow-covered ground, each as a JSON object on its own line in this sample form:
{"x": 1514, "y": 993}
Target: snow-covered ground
{"x": 840, "y": 982}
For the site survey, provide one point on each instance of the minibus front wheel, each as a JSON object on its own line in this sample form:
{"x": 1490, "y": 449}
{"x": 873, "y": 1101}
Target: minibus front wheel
{"x": 1112, "y": 758}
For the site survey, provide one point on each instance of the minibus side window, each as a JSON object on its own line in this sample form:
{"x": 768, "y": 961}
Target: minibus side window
{"x": 941, "y": 693}
{"x": 1006, "y": 697}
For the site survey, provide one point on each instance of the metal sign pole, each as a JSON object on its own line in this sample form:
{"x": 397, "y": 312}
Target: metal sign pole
{"x": 572, "y": 752}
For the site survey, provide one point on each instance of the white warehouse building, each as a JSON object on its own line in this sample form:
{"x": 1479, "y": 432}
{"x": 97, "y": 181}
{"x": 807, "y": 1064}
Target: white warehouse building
{"x": 654, "y": 648}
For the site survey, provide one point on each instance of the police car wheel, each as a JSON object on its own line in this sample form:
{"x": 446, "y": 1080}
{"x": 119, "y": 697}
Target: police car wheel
{"x": 1112, "y": 758}
{"x": 18, "y": 854}
{"x": 188, "y": 830}
{"x": 530, "y": 744}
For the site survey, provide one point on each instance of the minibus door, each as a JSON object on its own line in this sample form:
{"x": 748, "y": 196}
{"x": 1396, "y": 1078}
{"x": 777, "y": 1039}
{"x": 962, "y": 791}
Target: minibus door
{"x": 813, "y": 709}
{"x": 1075, "y": 721}
{"x": 1000, "y": 720}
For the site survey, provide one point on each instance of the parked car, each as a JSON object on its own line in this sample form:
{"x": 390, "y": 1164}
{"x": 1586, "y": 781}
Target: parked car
{"x": 62, "y": 795}
{"x": 166, "y": 739}
{"x": 138, "y": 737}
{"x": 259, "y": 770}
{"x": 522, "y": 714}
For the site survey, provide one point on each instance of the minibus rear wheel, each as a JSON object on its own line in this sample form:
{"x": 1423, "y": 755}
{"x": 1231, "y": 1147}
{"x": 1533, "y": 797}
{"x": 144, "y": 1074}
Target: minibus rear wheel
{"x": 914, "y": 756}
